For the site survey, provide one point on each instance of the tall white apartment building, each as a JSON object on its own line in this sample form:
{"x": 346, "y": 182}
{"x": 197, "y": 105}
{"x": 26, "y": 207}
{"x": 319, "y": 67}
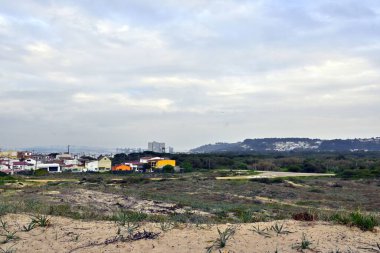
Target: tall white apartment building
{"x": 158, "y": 147}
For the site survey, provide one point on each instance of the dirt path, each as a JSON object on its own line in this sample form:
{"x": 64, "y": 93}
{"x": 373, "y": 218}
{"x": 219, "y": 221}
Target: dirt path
{"x": 275, "y": 174}
{"x": 67, "y": 235}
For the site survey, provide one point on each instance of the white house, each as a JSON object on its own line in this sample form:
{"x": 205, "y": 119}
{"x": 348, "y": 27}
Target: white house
{"x": 31, "y": 161}
{"x": 50, "y": 167}
{"x": 92, "y": 166}
{"x": 74, "y": 161}
{"x": 22, "y": 166}
{"x": 4, "y": 167}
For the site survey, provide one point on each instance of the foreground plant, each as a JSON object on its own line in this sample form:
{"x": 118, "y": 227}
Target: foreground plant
{"x": 31, "y": 225}
{"x": 279, "y": 229}
{"x": 122, "y": 218}
{"x": 224, "y": 236}
{"x": 365, "y": 222}
{"x": 260, "y": 231}
{"x": 6, "y": 233}
{"x": 7, "y": 250}
{"x": 304, "y": 244}
{"x": 166, "y": 226}
{"x": 41, "y": 220}
{"x": 373, "y": 248}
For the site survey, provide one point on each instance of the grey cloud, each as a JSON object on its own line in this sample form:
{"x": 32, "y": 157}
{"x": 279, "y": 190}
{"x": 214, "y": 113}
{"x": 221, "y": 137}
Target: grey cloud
{"x": 187, "y": 73}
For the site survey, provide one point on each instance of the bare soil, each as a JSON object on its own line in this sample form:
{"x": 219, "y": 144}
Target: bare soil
{"x": 67, "y": 235}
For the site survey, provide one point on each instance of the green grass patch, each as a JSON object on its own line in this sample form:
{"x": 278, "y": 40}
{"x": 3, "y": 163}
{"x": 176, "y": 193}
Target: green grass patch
{"x": 365, "y": 222}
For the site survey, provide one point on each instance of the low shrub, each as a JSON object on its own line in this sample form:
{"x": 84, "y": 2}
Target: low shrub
{"x": 268, "y": 180}
{"x": 41, "y": 172}
{"x": 362, "y": 221}
{"x": 123, "y": 218}
{"x": 305, "y": 216}
{"x": 365, "y": 222}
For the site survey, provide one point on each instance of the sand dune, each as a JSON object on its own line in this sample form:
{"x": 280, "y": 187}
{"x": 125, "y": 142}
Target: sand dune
{"x": 67, "y": 235}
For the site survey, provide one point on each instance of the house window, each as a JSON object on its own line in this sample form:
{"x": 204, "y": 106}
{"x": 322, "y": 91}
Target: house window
{"x": 53, "y": 168}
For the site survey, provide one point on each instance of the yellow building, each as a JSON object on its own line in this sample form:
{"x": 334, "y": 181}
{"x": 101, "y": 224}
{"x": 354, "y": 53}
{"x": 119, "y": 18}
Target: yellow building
{"x": 161, "y": 163}
{"x": 104, "y": 164}
{"x": 9, "y": 154}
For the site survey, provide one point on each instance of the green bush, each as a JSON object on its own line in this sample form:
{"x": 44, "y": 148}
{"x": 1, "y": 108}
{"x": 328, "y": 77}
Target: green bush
{"x": 363, "y": 221}
{"x": 268, "y": 180}
{"x": 41, "y": 172}
{"x": 168, "y": 169}
{"x": 6, "y": 177}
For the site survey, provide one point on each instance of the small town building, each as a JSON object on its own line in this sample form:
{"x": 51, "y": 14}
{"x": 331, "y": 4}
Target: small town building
{"x": 122, "y": 167}
{"x": 50, "y": 167}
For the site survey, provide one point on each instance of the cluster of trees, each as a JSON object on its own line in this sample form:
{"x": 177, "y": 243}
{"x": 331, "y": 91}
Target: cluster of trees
{"x": 349, "y": 165}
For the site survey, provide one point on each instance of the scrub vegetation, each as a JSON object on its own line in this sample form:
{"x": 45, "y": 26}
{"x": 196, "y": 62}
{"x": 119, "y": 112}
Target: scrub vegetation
{"x": 197, "y": 198}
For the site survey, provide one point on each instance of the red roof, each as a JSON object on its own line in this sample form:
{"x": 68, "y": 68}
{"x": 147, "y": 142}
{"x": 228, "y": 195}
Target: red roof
{"x": 21, "y": 163}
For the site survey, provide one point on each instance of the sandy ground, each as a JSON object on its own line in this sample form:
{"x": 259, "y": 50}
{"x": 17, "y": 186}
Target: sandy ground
{"x": 274, "y": 174}
{"x": 67, "y": 235}
{"x": 108, "y": 203}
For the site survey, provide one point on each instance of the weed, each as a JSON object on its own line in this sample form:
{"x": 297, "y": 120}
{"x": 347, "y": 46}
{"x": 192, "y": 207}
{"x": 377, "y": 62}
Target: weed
{"x": 166, "y": 226}
{"x": 128, "y": 227}
{"x": 358, "y": 219}
{"x": 246, "y": 216}
{"x": 29, "y": 226}
{"x": 221, "y": 214}
{"x": 75, "y": 237}
{"x": 122, "y": 218}
{"x": 339, "y": 218}
{"x": 260, "y": 231}
{"x": 131, "y": 227}
{"x": 373, "y": 248}
{"x": 362, "y": 221}
{"x": 7, "y": 250}
{"x": 224, "y": 236}
{"x": 9, "y": 235}
{"x": 3, "y": 225}
{"x": 279, "y": 229}
{"x": 41, "y": 220}
{"x": 304, "y": 244}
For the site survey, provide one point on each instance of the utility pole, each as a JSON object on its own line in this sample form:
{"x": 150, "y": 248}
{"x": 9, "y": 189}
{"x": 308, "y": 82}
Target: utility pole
{"x": 68, "y": 149}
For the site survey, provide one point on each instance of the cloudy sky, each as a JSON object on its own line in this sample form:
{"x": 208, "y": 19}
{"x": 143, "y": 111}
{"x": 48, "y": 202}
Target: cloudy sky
{"x": 120, "y": 73}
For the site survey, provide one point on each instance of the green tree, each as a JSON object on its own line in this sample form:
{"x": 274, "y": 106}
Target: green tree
{"x": 187, "y": 166}
{"x": 168, "y": 169}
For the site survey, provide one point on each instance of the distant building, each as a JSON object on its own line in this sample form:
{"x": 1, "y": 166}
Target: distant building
{"x": 128, "y": 150}
{"x": 122, "y": 167}
{"x": 158, "y": 147}
{"x": 104, "y": 164}
{"x": 92, "y": 166}
{"x": 171, "y": 150}
{"x": 63, "y": 156}
{"x": 162, "y": 163}
{"x": 50, "y": 167}
{"x": 9, "y": 154}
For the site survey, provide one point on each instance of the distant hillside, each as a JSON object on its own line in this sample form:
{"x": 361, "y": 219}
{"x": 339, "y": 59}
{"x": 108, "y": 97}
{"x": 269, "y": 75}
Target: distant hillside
{"x": 291, "y": 144}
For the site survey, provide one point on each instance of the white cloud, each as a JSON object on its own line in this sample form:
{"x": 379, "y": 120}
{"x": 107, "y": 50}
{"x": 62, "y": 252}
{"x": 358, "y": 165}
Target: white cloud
{"x": 214, "y": 70}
